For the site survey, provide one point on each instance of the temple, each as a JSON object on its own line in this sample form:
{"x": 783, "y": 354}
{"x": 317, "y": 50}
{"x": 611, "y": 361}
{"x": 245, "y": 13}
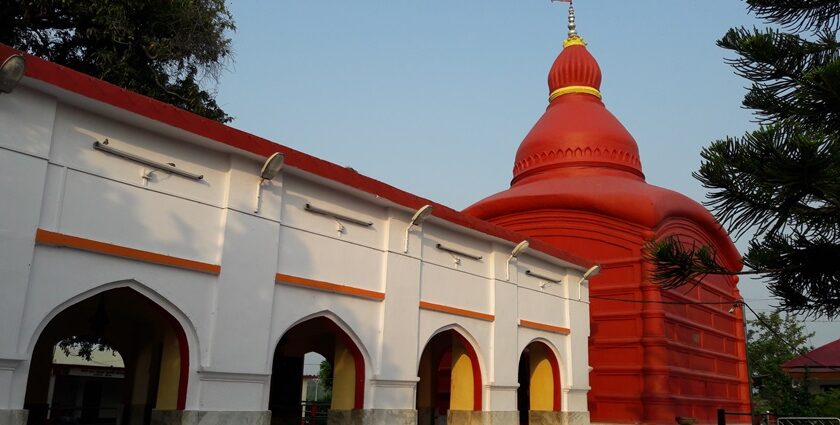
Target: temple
{"x": 578, "y": 185}
{"x": 203, "y": 265}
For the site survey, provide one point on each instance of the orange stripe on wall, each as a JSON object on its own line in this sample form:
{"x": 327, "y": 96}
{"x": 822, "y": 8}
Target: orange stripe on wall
{"x": 457, "y": 311}
{"x": 329, "y": 287}
{"x": 46, "y": 237}
{"x": 544, "y": 327}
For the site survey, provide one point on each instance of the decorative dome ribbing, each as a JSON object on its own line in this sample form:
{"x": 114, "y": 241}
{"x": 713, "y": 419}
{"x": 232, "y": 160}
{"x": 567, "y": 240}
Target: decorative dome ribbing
{"x": 574, "y": 70}
{"x": 576, "y": 131}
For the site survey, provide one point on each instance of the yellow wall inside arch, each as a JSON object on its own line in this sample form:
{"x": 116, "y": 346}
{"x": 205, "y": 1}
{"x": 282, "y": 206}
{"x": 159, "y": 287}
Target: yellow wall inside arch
{"x": 170, "y": 373}
{"x": 542, "y": 379}
{"x": 344, "y": 378}
{"x": 462, "y": 378}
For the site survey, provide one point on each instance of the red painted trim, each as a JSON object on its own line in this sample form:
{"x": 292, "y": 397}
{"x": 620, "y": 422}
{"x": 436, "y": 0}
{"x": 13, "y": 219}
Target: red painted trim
{"x": 359, "y": 394}
{"x": 184, "y": 353}
{"x": 476, "y": 367}
{"x": 46, "y": 237}
{"x": 87, "y": 86}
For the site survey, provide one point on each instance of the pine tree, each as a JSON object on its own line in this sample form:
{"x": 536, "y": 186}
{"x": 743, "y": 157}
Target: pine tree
{"x": 164, "y": 49}
{"x": 780, "y": 184}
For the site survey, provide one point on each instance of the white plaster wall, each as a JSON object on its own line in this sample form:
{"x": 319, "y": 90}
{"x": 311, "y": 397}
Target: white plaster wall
{"x": 444, "y": 285}
{"x": 298, "y": 192}
{"x": 122, "y": 214}
{"x": 76, "y": 131}
{"x": 320, "y": 257}
{"x": 395, "y": 370}
{"x": 52, "y": 178}
{"x": 433, "y": 235}
{"x": 18, "y": 221}
{"x": 503, "y": 378}
{"x": 27, "y": 117}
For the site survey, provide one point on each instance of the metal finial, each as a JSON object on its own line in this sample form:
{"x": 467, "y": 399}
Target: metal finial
{"x": 572, "y": 26}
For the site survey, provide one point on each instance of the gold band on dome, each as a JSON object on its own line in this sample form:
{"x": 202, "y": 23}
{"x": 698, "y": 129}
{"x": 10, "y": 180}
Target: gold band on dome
{"x": 574, "y": 89}
{"x": 574, "y": 40}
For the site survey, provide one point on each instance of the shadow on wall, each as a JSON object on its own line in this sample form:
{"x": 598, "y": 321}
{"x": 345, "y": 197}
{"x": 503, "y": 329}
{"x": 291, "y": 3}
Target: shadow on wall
{"x": 145, "y": 212}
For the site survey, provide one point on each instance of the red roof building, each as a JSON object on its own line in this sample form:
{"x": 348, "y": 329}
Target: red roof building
{"x": 819, "y": 368}
{"x": 578, "y": 185}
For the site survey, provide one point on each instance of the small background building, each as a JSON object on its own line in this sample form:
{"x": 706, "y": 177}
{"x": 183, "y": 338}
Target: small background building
{"x": 819, "y": 368}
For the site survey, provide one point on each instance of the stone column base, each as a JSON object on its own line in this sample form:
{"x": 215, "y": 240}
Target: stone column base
{"x": 466, "y": 417}
{"x": 13, "y": 417}
{"x": 196, "y": 417}
{"x": 454, "y": 417}
{"x": 558, "y": 418}
{"x": 372, "y": 417}
{"x": 575, "y": 418}
{"x": 536, "y": 417}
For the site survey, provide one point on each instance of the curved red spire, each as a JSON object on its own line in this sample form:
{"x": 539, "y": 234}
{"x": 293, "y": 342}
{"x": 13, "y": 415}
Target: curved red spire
{"x": 576, "y": 132}
{"x": 574, "y": 66}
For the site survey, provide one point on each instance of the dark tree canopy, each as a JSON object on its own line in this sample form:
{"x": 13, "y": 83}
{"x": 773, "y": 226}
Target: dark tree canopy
{"x": 164, "y": 49}
{"x": 780, "y": 184}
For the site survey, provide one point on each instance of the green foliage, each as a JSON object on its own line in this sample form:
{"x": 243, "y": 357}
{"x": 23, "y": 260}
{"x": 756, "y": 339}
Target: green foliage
{"x": 325, "y": 376}
{"x": 676, "y": 264}
{"x": 161, "y": 48}
{"x": 797, "y": 14}
{"x": 827, "y": 404}
{"x": 82, "y": 346}
{"x": 781, "y": 182}
{"x": 771, "y": 341}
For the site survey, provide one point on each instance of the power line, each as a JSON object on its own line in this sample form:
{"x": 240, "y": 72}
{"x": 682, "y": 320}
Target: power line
{"x": 780, "y": 338}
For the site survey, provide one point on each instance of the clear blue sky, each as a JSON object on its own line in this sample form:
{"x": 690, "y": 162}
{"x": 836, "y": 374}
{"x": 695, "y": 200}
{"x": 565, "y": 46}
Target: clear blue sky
{"x": 435, "y": 96}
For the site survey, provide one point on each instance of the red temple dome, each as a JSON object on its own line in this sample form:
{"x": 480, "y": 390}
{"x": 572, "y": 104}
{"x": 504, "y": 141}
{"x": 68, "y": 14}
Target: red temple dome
{"x": 578, "y": 156}
{"x": 578, "y": 186}
{"x": 576, "y": 130}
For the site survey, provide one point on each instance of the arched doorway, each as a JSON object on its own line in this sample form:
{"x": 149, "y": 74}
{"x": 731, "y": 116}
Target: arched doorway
{"x": 324, "y": 337}
{"x": 539, "y": 383}
{"x": 450, "y": 378}
{"x": 154, "y": 357}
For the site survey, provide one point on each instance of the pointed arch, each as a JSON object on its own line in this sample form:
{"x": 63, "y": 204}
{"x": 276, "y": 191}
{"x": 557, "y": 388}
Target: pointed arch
{"x": 538, "y": 352}
{"x": 159, "y": 301}
{"x": 467, "y": 336}
{"x": 128, "y": 301}
{"x": 342, "y": 325}
{"x": 470, "y": 347}
{"x": 344, "y": 339}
